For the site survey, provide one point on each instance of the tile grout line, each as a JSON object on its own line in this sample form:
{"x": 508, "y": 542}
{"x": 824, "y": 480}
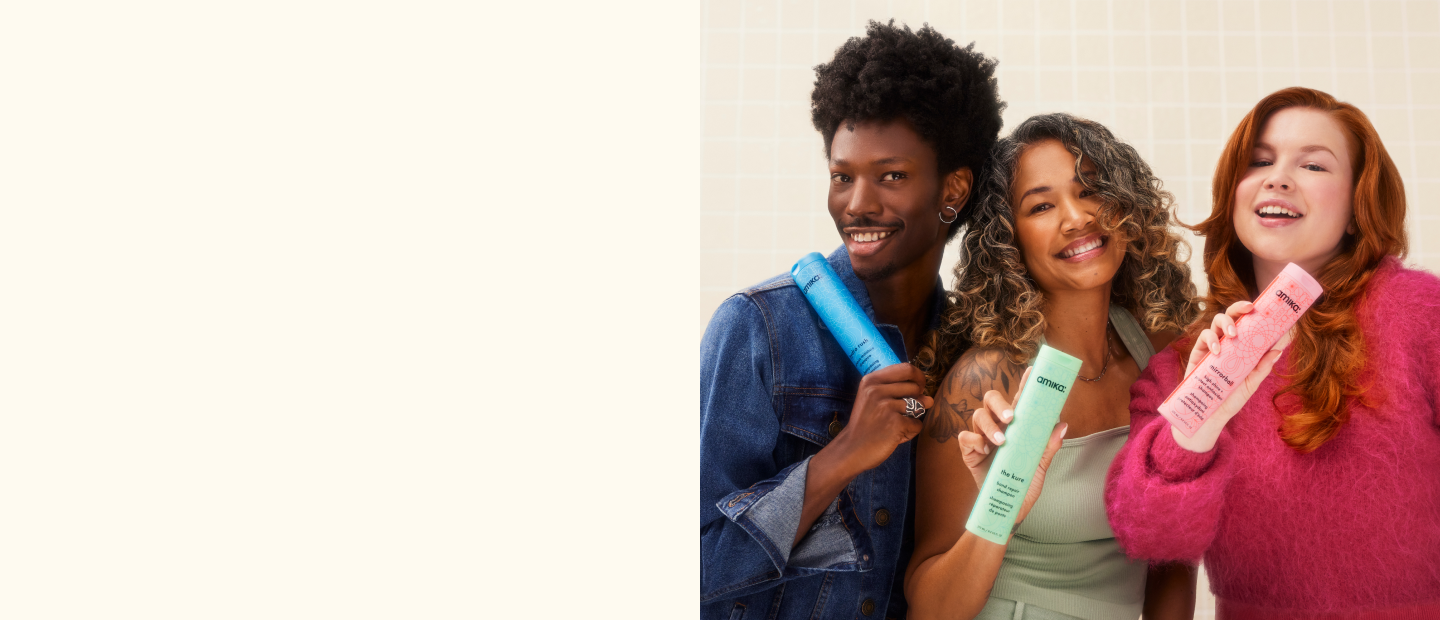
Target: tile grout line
{"x": 1035, "y": 49}
{"x": 1295, "y": 41}
{"x": 1224, "y": 90}
{"x": 1369, "y": 54}
{"x": 1409, "y": 100}
{"x": 811, "y": 165}
{"x": 1074, "y": 62}
{"x": 1000, "y": 42}
{"x": 1110, "y": 41}
{"x": 1259, "y": 52}
{"x": 1185, "y": 90}
{"x": 1149, "y": 89}
{"x": 1334, "y": 77}
{"x": 775, "y": 152}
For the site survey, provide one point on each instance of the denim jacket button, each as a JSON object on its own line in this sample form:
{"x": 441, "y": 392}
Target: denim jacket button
{"x": 835, "y": 428}
{"x": 867, "y": 607}
{"x": 882, "y": 517}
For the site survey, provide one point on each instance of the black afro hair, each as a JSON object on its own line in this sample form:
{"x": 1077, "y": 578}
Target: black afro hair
{"x": 947, "y": 92}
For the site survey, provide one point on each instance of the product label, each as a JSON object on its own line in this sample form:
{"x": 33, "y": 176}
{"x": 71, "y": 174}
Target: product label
{"x": 1277, "y": 308}
{"x": 806, "y": 289}
{"x": 864, "y": 357}
{"x": 1051, "y": 384}
{"x": 1008, "y": 494}
{"x": 841, "y": 314}
{"x": 1036, "y": 411}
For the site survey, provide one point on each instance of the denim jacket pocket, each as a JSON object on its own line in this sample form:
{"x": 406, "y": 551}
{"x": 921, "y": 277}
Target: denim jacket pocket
{"x": 815, "y": 415}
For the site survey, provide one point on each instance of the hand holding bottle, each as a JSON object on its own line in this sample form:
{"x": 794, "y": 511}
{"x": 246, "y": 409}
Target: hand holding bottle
{"x": 878, "y": 423}
{"x": 1213, "y": 339}
{"x": 987, "y": 432}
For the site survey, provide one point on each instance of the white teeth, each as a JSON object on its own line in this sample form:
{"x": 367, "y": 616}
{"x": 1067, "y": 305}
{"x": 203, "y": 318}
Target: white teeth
{"x": 1084, "y": 248}
{"x": 869, "y": 236}
{"x": 1277, "y": 210}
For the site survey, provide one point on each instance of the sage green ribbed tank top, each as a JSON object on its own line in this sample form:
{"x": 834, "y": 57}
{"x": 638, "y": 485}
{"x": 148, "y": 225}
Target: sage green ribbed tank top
{"x": 1064, "y": 557}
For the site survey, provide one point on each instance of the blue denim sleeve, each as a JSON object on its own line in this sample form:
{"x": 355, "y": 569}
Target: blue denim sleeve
{"x": 750, "y": 503}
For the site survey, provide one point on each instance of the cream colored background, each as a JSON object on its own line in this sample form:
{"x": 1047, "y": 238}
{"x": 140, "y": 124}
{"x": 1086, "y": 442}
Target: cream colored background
{"x": 1170, "y": 78}
{"x": 316, "y": 309}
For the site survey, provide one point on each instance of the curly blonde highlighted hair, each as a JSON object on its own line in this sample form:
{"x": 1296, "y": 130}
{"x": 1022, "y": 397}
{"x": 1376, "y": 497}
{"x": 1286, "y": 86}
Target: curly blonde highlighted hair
{"x": 995, "y": 303}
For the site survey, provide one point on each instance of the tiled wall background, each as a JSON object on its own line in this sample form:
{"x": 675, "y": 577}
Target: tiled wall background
{"x": 1170, "y": 77}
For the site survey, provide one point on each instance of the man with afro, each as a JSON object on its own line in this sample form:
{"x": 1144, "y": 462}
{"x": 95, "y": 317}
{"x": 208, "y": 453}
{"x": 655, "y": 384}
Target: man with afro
{"x": 806, "y": 468}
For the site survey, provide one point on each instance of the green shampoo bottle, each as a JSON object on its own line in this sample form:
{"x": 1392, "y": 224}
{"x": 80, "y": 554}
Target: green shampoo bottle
{"x": 1036, "y": 412}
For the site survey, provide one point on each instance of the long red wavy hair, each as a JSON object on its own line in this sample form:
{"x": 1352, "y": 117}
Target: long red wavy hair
{"x": 1327, "y": 356}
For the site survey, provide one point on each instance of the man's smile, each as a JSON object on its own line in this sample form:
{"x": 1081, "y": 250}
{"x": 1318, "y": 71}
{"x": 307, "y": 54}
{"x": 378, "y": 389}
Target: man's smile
{"x": 863, "y": 241}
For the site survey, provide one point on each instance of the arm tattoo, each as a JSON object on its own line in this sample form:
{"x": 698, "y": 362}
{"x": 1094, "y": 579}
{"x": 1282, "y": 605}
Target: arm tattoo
{"x": 949, "y": 420}
{"x": 977, "y": 372}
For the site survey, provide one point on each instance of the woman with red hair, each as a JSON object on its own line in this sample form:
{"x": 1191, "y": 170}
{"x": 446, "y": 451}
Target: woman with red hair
{"x": 1314, "y": 492}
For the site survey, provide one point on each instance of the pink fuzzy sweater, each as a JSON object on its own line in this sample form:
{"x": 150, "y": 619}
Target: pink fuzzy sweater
{"x": 1352, "y": 527}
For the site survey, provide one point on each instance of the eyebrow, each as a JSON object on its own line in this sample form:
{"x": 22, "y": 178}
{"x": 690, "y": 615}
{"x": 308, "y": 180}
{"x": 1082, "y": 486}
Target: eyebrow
{"x": 1304, "y": 149}
{"x": 1046, "y": 188}
{"x": 1035, "y": 190}
{"x": 879, "y": 162}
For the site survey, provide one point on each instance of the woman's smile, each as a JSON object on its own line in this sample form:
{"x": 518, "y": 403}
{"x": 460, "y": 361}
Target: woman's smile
{"x": 1275, "y": 213}
{"x": 1084, "y": 249}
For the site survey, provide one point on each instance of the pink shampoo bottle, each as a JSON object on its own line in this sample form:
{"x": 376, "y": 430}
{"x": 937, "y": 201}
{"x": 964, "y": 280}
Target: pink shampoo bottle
{"x": 1277, "y": 308}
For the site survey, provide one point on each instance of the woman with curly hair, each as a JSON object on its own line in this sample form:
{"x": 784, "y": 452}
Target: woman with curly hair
{"x": 1314, "y": 492}
{"x": 1070, "y": 245}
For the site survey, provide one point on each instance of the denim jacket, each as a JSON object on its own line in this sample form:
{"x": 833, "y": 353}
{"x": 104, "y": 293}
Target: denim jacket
{"x": 775, "y": 387}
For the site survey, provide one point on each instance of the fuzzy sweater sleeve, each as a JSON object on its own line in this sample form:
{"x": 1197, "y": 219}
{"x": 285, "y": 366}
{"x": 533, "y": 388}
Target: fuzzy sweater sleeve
{"x": 1164, "y": 502}
{"x": 1420, "y": 306}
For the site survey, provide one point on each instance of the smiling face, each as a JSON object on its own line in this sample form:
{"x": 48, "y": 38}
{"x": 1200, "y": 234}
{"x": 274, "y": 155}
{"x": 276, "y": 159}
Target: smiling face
{"x": 1293, "y": 204}
{"x": 886, "y": 198}
{"x": 1055, "y": 228}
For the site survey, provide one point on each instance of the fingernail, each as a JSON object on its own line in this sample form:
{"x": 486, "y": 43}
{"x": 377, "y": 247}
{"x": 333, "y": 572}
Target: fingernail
{"x": 984, "y": 449}
{"x": 1230, "y": 331}
{"x": 999, "y": 437}
{"x": 1063, "y": 429}
{"x": 1007, "y": 414}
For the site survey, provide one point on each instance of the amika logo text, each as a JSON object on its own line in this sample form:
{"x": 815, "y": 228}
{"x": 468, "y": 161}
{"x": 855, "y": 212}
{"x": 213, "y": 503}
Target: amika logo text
{"x": 1289, "y": 302}
{"x": 810, "y": 284}
{"x": 1051, "y": 384}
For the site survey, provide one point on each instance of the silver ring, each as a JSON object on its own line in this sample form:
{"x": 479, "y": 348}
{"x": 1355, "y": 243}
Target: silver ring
{"x": 913, "y": 408}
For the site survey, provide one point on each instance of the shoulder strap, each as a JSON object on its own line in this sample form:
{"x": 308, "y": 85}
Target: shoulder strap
{"x": 1132, "y": 335}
